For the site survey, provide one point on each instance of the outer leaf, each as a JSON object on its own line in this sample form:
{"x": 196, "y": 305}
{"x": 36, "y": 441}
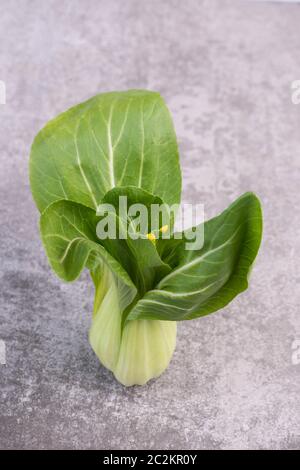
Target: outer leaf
{"x": 206, "y": 280}
{"x": 113, "y": 139}
{"x": 69, "y": 235}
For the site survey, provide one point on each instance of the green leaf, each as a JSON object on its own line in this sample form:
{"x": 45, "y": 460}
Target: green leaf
{"x": 68, "y": 232}
{"x": 205, "y": 280}
{"x": 114, "y": 139}
{"x": 139, "y": 257}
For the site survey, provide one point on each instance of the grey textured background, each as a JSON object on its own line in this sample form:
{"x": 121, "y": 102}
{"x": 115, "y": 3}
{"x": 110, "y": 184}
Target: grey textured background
{"x": 225, "y": 69}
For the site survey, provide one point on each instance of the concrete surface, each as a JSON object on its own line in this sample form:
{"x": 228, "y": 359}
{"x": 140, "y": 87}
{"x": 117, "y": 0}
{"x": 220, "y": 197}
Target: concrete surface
{"x": 225, "y": 69}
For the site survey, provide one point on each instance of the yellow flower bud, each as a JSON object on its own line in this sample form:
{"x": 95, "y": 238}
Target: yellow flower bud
{"x": 151, "y": 237}
{"x": 164, "y": 228}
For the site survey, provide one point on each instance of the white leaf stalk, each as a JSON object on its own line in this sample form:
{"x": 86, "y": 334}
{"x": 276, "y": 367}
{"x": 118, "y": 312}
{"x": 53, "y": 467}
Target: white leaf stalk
{"x": 142, "y": 351}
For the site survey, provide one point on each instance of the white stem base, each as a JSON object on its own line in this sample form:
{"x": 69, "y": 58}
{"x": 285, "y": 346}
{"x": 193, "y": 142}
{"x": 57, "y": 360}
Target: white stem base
{"x": 143, "y": 350}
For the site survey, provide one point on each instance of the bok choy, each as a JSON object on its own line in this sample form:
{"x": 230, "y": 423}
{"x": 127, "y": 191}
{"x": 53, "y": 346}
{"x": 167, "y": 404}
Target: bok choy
{"x": 123, "y": 144}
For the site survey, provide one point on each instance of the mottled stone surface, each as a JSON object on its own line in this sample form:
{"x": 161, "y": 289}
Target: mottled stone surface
{"x": 225, "y": 69}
